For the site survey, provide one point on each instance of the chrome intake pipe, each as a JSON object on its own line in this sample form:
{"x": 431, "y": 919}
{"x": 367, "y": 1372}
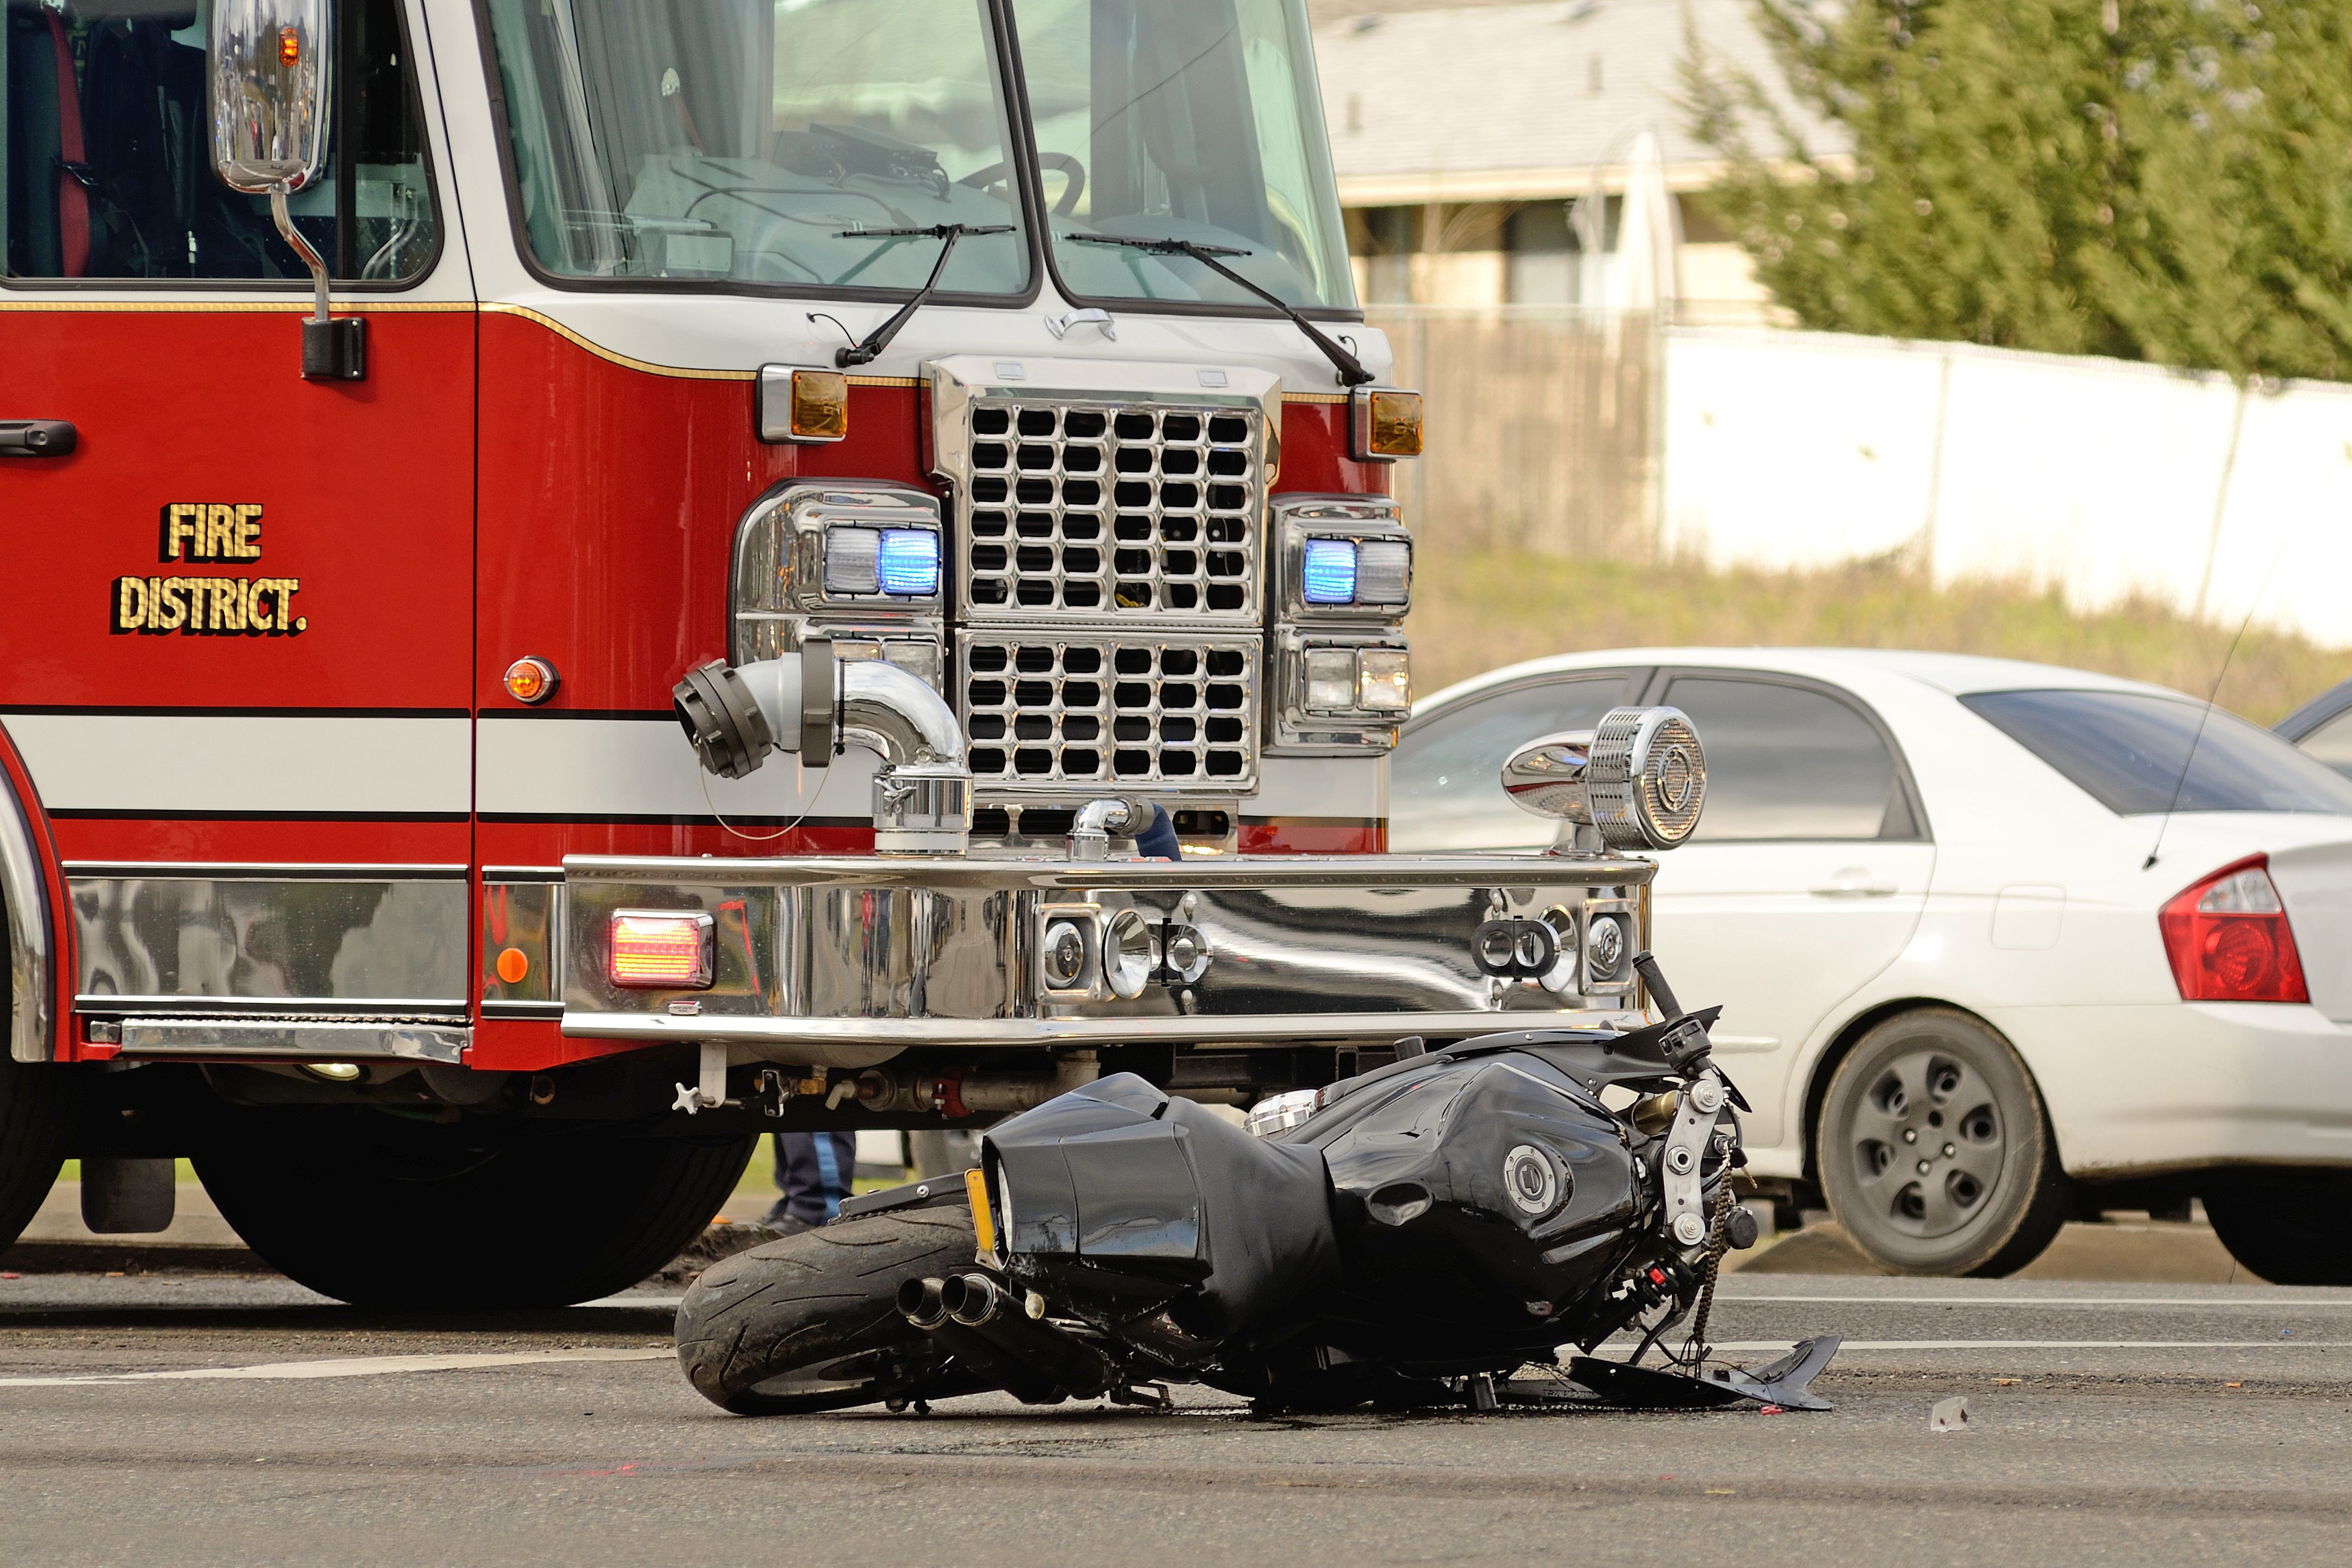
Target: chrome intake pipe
{"x": 810, "y": 703}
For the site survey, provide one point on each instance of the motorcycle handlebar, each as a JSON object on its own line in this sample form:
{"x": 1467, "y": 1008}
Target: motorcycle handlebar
{"x": 1645, "y": 964}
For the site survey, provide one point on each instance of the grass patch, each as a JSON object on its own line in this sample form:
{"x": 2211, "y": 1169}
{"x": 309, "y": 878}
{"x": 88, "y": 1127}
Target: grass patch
{"x": 1476, "y": 609}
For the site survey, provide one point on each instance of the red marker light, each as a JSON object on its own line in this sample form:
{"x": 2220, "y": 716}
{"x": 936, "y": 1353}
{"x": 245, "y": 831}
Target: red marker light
{"x": 660, "y": 950}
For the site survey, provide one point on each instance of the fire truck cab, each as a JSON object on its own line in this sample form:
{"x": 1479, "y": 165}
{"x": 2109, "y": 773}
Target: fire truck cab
{"x": 590, "y": 578}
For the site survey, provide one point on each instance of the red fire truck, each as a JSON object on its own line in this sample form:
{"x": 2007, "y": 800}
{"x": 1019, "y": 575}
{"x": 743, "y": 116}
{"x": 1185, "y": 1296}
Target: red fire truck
{"x": 590, "y": 578}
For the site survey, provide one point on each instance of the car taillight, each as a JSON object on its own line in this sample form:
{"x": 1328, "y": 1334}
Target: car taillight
{"x": 660, "y": 950}
{"x": 2229, "y": 939}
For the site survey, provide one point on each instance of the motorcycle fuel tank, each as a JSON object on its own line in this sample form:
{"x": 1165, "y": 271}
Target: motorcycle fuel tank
{"x": 1492, "y": 1192}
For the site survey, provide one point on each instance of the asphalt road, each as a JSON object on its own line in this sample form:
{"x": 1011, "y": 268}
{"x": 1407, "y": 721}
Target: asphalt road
{"x": 207, "y": 1419}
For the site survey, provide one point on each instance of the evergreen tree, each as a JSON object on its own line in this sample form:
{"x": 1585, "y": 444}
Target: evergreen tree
{"x": 2154, "y": 179}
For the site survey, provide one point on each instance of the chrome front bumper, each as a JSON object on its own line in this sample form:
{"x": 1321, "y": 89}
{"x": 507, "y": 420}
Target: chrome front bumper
{"x": 846, "y": 962}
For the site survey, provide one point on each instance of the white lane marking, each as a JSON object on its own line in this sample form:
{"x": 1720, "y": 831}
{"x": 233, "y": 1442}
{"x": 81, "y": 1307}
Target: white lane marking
{"x": 2276, "y": 1304}
{"x": 342, "y": 1366}
{"x": 1747, "y": 1345}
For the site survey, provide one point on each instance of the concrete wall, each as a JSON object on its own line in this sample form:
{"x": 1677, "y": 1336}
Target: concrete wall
{"x": 2105, "y": 479}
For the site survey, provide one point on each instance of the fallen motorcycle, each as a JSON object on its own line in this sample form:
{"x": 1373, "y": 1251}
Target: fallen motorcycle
{"x": 1406, "y": 1238}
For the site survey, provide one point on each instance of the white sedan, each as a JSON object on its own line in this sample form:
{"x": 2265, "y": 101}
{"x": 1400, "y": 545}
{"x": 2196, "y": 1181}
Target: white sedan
{"x": 1989, "y": 951}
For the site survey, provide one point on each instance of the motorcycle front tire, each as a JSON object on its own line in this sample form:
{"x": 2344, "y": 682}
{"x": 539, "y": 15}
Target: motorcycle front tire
{"x": 812, "y": 1324}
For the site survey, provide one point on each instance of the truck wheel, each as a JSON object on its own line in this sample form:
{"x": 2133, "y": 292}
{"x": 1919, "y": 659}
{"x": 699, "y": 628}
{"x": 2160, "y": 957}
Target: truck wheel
{"x": 2290, "y": 1229}
{"x": 811, "y": 1323}
{"x": 1934, "y": 1152}
{"x": 380, "y": 1211}
{"x": 36, "y": 1116}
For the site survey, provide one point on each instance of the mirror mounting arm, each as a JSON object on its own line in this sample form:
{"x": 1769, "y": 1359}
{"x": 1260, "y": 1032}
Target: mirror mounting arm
{"x": 332, "y": 349}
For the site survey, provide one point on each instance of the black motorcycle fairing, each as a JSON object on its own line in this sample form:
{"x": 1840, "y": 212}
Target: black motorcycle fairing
{"x": 1121, "y": 1192}
{"x": 1435, "y": 1233}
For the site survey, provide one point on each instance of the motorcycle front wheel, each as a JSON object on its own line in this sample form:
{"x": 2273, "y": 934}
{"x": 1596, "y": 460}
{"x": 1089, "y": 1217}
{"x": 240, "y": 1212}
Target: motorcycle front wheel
{"x": 811, "y": 1323}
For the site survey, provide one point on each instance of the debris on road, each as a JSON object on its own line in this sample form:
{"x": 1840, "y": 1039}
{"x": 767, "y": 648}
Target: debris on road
{"x": 1949, "y": 1416}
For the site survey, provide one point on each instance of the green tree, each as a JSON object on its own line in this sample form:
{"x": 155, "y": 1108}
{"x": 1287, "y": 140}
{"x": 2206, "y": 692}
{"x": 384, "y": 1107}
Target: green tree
{"x": 2168, "y": 180}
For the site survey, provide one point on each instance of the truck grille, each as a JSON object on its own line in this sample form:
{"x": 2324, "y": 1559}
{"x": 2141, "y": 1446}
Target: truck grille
{"x": 1053, "y": 714}
{"x": 1130, "y": 509}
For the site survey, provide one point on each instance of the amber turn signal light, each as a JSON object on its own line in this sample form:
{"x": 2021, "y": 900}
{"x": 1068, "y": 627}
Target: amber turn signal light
{"x": 803, "y": 406}
{"x": 530, "y": 678}
{"x": 1384, "y": 423}
{"x": 289, "y": 47}
{"x": 513, "y": 964}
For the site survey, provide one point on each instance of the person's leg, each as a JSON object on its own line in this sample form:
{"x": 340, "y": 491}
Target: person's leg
{"x": 834, "y": 1155}
{"x": 782, "y": 1206}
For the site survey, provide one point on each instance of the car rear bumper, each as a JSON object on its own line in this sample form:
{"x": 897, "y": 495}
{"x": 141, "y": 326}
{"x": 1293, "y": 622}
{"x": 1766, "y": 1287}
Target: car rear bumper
{"x": 2137, "y": 1090}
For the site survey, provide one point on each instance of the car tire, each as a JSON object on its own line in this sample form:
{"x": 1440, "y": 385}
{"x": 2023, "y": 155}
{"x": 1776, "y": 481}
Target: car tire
{"x": 2290, "y": 1229}
{"x": 811, "y": 1323}
{"x": 37, "y": 1105}
{"x": 382, "y": 1211}
{"x": 1934, "y": 1152}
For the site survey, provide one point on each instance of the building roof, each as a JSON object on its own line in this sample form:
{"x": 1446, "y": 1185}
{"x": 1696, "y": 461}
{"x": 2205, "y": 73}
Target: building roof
{"x": 1501, "y": 102}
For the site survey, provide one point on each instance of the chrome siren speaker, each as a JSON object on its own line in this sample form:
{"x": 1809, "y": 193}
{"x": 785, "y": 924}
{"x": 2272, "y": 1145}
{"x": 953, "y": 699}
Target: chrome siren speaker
{"x": 1638, "y": 778}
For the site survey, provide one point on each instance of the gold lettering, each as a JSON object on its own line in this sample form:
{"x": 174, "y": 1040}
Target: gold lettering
{"x": 241, "y": 616}
{"x": 287, "y": 588}
{"x": 220, "y": 528}
{"x": 129, "y": 604}
{"x": 168, "y": 612}
{"x": 179, "y": 526}
{"x": 248, "y": 533}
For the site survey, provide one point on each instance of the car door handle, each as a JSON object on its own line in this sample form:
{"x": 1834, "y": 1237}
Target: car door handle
{"x": 1855, "y": 883}
{"x": 36, "y": 437}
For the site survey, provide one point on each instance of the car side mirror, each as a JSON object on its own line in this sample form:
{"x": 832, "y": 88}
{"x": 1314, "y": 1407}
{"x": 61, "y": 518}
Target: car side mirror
{"x": 270, "y": 75}
{"x": 1635, "y": 781}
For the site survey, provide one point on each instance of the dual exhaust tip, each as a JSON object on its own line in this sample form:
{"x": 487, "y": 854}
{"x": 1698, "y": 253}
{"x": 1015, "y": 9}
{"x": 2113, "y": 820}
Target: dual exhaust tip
{"x": 969, "y": 1299}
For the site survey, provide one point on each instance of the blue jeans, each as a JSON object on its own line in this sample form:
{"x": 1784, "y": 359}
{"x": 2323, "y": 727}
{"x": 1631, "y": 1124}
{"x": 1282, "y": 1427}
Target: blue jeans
{"x": 813, "y": 1172}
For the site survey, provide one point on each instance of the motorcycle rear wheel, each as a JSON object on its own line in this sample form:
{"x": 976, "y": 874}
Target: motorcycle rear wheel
{"x": 812, "y": 1324}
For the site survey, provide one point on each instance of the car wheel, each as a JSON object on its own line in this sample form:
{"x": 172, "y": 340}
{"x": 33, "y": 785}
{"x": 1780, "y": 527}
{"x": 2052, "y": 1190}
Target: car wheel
{"x": 2290, "y": 1229}
{"x": 1934, "y": 1150}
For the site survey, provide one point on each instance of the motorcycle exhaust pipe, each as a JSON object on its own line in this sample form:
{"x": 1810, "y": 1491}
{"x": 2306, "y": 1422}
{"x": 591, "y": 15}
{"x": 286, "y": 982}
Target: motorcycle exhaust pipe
{"x": 923, "y": 1304}
{"x": 978, "y": 1305}
{"x": 919, "y": 1303}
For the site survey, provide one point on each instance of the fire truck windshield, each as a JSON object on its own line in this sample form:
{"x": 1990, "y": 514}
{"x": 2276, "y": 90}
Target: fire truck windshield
{"x": 751, "y": 141}
{"x": 1195, "y": 120}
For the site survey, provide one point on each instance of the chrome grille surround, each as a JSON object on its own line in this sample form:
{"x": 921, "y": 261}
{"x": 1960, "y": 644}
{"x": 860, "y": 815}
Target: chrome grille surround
{"x": 1071, "y": 716}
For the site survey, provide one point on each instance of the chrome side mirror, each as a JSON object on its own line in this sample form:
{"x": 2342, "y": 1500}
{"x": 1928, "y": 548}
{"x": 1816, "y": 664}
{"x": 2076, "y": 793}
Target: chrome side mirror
{"x": 268, "y": 71}
{"x": 1637, "y": 781}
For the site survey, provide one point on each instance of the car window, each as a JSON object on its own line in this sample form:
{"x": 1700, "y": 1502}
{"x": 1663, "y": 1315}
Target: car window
{"x": 2332, "y": 742}
{"x": 1445, "y": 789}
{"x": 2131, "y": 751}
{"x": 106, "y": 155}
{"x": 1783, "y": 761}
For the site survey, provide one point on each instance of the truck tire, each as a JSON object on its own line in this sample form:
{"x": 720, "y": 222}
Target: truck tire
{"x": 1934, "y": 1152}
{"x": 811, "y": 1323}
{"x": 382, "y": 1211}
{"x": 37, "y": 1103}
{"x": 2291, "y": 1229}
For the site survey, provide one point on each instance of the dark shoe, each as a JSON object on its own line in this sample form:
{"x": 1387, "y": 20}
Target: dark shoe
{"x": 779, "y": 1219}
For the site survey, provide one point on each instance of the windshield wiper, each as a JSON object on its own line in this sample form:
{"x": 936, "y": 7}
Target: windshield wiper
{"x": 870, "y": 348}
{"x": 1351, "y": 369}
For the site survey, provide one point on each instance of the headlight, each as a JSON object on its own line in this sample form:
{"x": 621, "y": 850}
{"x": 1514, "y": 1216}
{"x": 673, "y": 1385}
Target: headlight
{"x": 1356, "y": 682}
{"x": 1640, "y": 777}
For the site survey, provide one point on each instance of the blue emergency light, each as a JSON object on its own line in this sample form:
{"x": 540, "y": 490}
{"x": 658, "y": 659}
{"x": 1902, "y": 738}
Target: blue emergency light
{"x": 1328, "y": 576}
{"x": 907, "y": 563}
